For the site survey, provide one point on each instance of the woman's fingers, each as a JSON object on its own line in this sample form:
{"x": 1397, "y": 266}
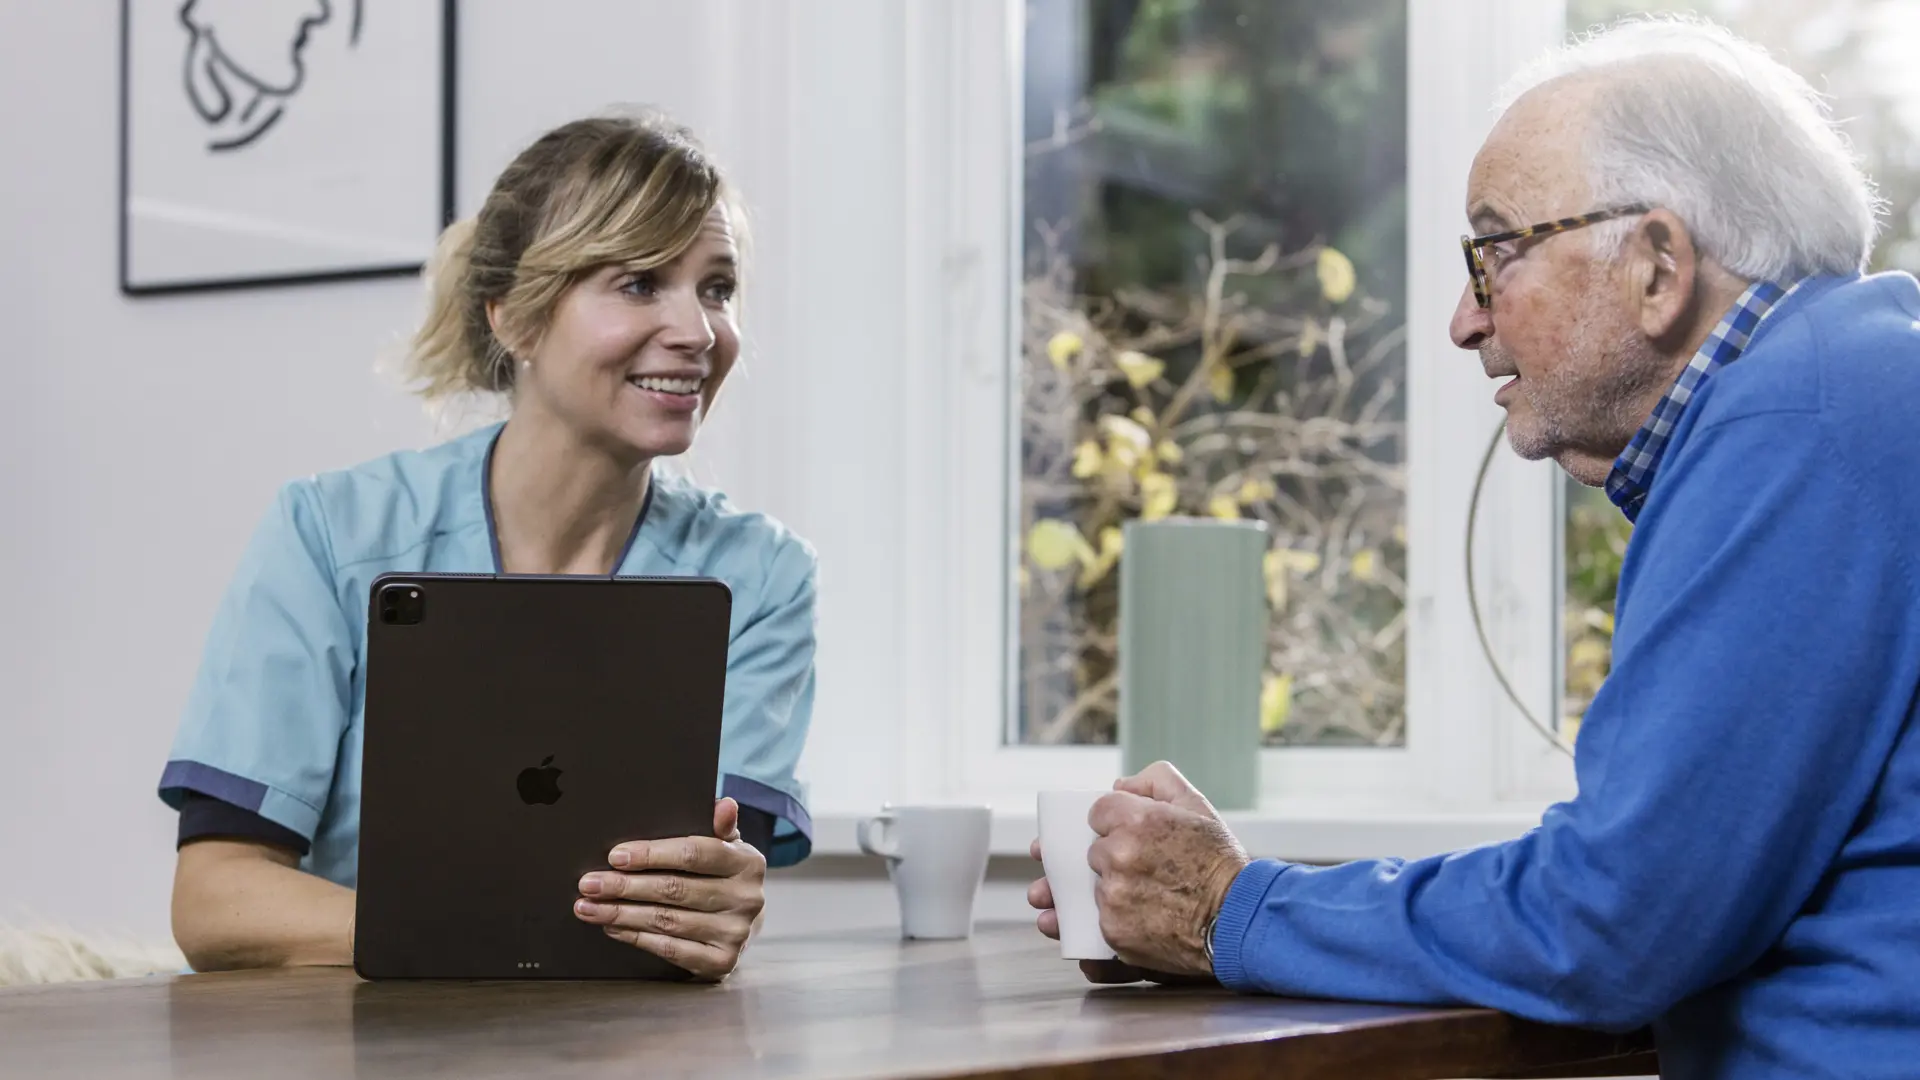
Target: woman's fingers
{"x": 688, "y": 854}
{"x": 726, "y": 819}
{"x": 703, "y": 961}
{"x": 676, "y": 890}
{"x": 701, "y": 926}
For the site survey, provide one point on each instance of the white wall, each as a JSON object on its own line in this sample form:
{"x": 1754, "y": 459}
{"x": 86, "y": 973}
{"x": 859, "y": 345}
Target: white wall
{"x": 140, "y": 440}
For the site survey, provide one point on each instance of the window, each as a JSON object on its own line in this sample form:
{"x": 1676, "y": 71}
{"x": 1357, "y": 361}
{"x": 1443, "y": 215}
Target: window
{"x": 1052, "y": 156}
{"x": 1075, "y": 181}
{"x": 1213, "y": 309}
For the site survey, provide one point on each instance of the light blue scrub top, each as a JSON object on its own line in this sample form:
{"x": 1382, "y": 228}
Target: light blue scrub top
{"x": 273, "y": 724}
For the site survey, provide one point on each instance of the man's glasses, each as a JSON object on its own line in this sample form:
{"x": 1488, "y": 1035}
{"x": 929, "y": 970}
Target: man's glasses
{"x": 1476, "y": 263}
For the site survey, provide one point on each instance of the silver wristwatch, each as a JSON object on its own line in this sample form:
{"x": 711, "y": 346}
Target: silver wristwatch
{"x": 1206, "y": 937}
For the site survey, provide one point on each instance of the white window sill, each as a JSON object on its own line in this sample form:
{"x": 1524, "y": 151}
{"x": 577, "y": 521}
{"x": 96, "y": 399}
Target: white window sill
{"x": 1294, "y": 835}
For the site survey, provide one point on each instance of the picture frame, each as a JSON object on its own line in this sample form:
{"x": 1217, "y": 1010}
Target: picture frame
{"x": 247, "y": 158}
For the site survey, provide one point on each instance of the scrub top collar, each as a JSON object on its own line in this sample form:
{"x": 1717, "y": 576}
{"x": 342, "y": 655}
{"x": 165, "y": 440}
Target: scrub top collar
{"x": 493, "y": 532}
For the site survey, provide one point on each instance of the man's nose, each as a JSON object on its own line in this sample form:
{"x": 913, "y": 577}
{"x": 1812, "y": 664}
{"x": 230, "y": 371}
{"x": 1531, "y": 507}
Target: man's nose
{"x": 1472, "y": 324}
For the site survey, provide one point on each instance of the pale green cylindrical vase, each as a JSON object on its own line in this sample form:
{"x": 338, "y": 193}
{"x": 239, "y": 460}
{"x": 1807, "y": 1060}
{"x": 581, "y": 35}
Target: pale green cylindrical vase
{"x": 1193, "y": 644}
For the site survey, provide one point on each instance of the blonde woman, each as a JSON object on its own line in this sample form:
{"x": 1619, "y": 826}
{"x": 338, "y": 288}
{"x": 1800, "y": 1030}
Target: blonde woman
{"x": 596, "y": 290}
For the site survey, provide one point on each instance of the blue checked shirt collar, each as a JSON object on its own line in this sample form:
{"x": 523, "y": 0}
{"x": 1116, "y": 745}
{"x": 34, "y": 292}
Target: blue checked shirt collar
{"x": 1633, "y": 472}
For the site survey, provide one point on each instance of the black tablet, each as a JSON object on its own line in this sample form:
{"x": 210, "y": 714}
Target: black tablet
{"x": 516, "y": 730}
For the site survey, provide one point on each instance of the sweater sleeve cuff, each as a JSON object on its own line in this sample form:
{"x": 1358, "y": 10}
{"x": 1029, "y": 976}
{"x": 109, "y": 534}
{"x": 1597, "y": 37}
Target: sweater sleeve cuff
{"x": 1230, "y": 930}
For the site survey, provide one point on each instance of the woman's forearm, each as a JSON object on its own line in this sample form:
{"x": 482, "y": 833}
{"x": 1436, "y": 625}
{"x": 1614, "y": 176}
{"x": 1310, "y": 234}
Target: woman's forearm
{"x": 244, "y": 905}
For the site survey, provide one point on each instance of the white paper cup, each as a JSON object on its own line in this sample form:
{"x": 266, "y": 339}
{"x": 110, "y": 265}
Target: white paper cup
{"x": 1065, "y": 837}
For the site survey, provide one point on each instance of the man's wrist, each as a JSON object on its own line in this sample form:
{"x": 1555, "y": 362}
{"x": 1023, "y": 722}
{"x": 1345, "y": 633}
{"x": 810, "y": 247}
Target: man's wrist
{"x": 1217, "y": 902}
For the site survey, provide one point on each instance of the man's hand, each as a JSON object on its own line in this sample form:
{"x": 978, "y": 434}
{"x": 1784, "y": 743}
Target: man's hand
{"x": 694, "y": 901}
{"x": 1165, "y": 862}
{"x": 1040, "y": 895}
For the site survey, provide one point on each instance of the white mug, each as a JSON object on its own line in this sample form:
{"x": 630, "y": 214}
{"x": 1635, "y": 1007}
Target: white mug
{"x": 937, "y": 858}
{"x": 1065, "y": 837}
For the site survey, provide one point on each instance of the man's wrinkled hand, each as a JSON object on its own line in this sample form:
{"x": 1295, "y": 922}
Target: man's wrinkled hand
{"x": 1165, "y": 862}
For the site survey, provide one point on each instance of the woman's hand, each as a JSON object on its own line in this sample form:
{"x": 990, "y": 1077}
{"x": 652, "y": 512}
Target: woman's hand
{"x": 693, "y": 901}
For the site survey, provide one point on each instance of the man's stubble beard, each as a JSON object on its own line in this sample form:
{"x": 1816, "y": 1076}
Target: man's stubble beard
{"x": 1594, "y": 400}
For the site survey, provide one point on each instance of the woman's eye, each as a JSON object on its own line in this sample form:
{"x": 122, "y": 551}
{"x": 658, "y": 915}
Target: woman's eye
{"x": 1495, "y": 254}
{"x": 641, "y": 284}
{"x": 721, "y": 291}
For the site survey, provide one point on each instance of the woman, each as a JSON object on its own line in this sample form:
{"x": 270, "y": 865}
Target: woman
{"x": 596, "y": 291}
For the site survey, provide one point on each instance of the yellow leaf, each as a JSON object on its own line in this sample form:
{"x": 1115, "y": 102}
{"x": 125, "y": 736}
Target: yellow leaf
{"x": 1144, "y": 417}
{"x": 1274, "y": 566}
{"x": 1053, "y": 544}
{"x": 1570, "y": 729}
{"x": 1111, "y": 542}
{"x": 1276, "y": 701}
{"x": 1400, "y": 535}
{"x": 1124, "y": 431}
{"x": 1220, "y": 382}
{"x": 1253, "y": 491}
{"x": 1063, "y": 347}
{"x": 1170, "y": 451}
{"x": 1309, "y": 338}
{"x": 1364, "y": 564}
{"x": 1158, "y": 496}
{"x": 1128, "y": 444}
{"x": 1300, "y": 562}
{"x": 1139, "y": 368}
{"x": 1336, "y": 275}
{"x": 1093, "y": 572}
{"x": 1224, "y": 508}
{"x": 1088, "y": 461}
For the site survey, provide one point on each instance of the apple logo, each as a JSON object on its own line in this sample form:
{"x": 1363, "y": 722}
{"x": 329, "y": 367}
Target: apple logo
{"x": 540, "y": 784}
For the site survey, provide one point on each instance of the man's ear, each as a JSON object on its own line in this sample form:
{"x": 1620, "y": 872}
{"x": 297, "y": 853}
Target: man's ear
{"x": 1664, "y": 268}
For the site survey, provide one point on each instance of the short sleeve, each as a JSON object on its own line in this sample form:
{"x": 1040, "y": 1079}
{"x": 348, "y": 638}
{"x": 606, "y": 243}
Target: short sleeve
{"x": 770, "y": 687}
{"x": 271, "y": 700}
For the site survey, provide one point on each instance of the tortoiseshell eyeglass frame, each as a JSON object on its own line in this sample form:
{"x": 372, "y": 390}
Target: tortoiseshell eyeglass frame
{"x": 1471, "y": 245}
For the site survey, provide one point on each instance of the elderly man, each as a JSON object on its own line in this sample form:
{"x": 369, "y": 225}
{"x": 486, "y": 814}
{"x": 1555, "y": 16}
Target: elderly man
{"x": 1668, "y": 277}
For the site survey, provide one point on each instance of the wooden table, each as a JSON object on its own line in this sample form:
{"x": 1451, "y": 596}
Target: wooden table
{"x": 849, "y": 1005}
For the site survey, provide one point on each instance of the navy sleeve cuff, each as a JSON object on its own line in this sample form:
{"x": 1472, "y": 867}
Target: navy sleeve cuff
{"x": 756, "y": 828}
{"x": 784, "y": 849}
{"x": 203, "y": 817}
{"x": 1232, "y": 928}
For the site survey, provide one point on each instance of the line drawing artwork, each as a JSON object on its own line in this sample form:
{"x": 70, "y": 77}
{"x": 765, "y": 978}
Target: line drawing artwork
{"x": 245, "y": 62}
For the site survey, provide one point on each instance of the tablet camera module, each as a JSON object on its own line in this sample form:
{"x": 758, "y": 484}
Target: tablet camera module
{"x": 402, "y": 605}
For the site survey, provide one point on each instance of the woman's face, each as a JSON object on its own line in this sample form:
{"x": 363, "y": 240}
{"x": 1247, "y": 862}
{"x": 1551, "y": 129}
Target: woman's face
{"x": 633, "y": 358}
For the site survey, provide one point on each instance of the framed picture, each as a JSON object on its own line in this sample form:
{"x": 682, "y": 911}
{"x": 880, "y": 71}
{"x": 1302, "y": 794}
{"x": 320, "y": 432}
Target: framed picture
{"x": 267, "y": 142}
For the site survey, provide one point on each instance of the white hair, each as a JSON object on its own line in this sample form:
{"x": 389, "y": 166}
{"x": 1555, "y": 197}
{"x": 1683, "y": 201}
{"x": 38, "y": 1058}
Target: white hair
{"x": 1692, "y": 119}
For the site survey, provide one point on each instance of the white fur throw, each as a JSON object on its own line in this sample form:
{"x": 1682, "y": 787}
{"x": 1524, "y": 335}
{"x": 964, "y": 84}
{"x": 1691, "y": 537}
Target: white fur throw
{"x": 50, "y": 955}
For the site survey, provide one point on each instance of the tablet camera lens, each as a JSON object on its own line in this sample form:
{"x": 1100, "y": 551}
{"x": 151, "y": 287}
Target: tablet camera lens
{"x": 402, "y": 605}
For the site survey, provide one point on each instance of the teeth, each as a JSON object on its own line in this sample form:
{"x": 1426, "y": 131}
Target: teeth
{"x": 667, "y": 386}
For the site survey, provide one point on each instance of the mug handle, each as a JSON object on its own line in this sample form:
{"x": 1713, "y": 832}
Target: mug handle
{"x": 873, "y": 836}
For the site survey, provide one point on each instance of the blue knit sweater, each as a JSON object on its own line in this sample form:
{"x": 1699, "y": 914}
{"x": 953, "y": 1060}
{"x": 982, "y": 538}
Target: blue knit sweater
{"x": 1741, "y": 866}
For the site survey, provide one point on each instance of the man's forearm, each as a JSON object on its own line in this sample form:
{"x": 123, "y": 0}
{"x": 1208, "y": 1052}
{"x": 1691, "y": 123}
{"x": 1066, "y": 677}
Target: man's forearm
{"x": 237, "y": 905}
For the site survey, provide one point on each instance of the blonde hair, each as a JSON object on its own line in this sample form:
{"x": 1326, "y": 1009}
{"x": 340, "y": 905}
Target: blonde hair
{"x": 632, "y": 189}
